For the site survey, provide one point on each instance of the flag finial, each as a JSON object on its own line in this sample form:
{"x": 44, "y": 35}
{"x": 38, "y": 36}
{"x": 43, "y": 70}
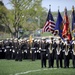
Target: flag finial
{"x": 65, "y": 11}
{"x": 72, "y": 8}
{"x": 58, "y": 7}
{"x": 50, "y": 7}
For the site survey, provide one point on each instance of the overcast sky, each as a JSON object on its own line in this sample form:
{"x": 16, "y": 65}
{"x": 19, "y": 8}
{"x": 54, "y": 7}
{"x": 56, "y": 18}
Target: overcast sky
{"x": 54, "y": 4}
{"x": 61, "y": 3}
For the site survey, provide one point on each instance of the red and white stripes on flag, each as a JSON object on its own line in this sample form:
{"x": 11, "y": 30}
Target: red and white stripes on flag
{"x": 49, "y": 26}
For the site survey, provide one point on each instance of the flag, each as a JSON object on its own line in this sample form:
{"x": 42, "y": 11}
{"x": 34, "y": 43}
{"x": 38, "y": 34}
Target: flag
{"x": 66, "y": 30}
{"x": 30, "y": 38}
{"x": 50, "y": 24}
{"x": 73, "y": 19}
{"x": 59, "y": 24}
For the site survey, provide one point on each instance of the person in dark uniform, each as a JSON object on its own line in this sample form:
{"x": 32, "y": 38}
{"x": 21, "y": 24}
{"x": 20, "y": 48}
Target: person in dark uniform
{"x": 4, "y": 44}
{"x": 11, "y": 50}
{"x": 51, "y": 54}
{"x": 3, "y": 53}
{"x": 16, "y": 44}
{"x": 43, "y": 53}
{"x": 73, "y": 53}
{"x": 29, "y": 50}
{"x": 7, "y": 47}
{"x": 38, "y": 51}
{"x": 36, "y": 46}
{"x": 24, "y": 49}
{"x": 33, "y": 51}
{"x": 0, "y": 49}
{"x": 20, "y": 50}
{"x": 12, "y": 46}
{"x": 59, "y": 53}
{"x": 66, "y": 54}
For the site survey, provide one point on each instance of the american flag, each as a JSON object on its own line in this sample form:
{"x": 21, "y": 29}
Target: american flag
{"x": 50, "y": 24}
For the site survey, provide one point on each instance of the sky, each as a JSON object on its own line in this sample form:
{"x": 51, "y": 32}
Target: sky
{"x": 54, "y": 4}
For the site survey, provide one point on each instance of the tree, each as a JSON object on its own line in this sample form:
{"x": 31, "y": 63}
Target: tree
{"x": 3, "y": 16}
{"x": 25, "y": 14}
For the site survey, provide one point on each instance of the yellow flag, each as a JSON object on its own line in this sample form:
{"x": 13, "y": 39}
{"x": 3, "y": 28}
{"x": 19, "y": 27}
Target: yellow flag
{"x": 30, "y": 38}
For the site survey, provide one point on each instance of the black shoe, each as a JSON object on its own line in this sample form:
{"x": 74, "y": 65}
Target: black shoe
{"x": 65, "y": 67}
{"x": 41, "y": 67}
{"x": 49, "y": 67}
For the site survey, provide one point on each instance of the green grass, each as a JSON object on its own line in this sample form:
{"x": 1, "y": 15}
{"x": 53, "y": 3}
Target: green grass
{"x": 12, "y": 67}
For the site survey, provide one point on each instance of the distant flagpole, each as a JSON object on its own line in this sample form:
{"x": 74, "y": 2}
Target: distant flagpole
{"x": 50, "y": 7}
{"x": 56, "y": 29}
{"x": 58, "y": 8}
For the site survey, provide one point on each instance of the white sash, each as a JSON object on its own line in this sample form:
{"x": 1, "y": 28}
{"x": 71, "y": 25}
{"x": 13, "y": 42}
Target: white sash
{"x": 58, "y": 51}
{"x": 66, "y": 52}
{"x": 73, "y": 52}
{"x": 50, "y": 50}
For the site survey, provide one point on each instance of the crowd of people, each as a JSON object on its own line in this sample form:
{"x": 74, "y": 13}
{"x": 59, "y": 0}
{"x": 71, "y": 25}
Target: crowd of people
{"x": 54, "y": 49}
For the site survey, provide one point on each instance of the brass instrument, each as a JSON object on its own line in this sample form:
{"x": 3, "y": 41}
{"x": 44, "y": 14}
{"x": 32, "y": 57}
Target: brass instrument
{"x": 58, "y": 47}
{"x": 73, "y": 48}
{"x": 50, "y": 48}
{"x": 58, "y": 50}
{"x": 66, "y": 48}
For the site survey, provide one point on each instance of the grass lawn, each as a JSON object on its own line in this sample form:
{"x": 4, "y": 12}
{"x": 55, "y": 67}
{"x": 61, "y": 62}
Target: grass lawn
{"x": 28, "y": 67}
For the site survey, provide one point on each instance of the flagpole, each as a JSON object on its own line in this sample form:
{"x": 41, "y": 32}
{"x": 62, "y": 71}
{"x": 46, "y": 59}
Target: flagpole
{"x": 73, "y": 27}
{"x": 58, "y": 8}
{"x": 50, "y": 7}
{"x": 57, "y": 31}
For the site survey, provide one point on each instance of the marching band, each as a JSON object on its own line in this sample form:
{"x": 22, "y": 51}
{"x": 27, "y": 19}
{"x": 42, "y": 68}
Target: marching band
{"x": 55, "y": 49}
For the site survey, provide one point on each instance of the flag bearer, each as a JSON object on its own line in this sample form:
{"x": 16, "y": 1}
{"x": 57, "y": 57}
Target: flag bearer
{"x": 73, "y": 53}
{"x": 59, "y": 53}
{"x": 51, "y": 54}
{"x": 66, "y": 54}
{"x": 43, "y": 53}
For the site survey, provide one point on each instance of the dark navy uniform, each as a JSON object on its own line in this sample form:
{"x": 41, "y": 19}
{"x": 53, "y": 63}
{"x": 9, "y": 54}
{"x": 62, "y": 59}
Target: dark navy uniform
{"x": 20, "y": 52}
{"x": 0, "y": 49}
{"x": 50, "y": 55}
{"x": 12, "y": 46}
{"x": 33, "y": 51}
{"x": 24, "y": 49}
{"x": 16, "y": 44}
{"x": 7, "y": 48}
{"x": 73, "y": 53}
{"x": 36, "y": 46}
{"x": 11, "y": 49}
{"x": 59, "y": 53}
{"x": 66, "y": 55}
{"x": 38, "y": 51}
{"x": 43, "y": 54}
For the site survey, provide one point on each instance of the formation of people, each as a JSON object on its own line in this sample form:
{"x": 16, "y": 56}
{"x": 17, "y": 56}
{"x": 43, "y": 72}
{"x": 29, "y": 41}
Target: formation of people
{"x": 59, "y": 50}
{"x": 55, "y": 49}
